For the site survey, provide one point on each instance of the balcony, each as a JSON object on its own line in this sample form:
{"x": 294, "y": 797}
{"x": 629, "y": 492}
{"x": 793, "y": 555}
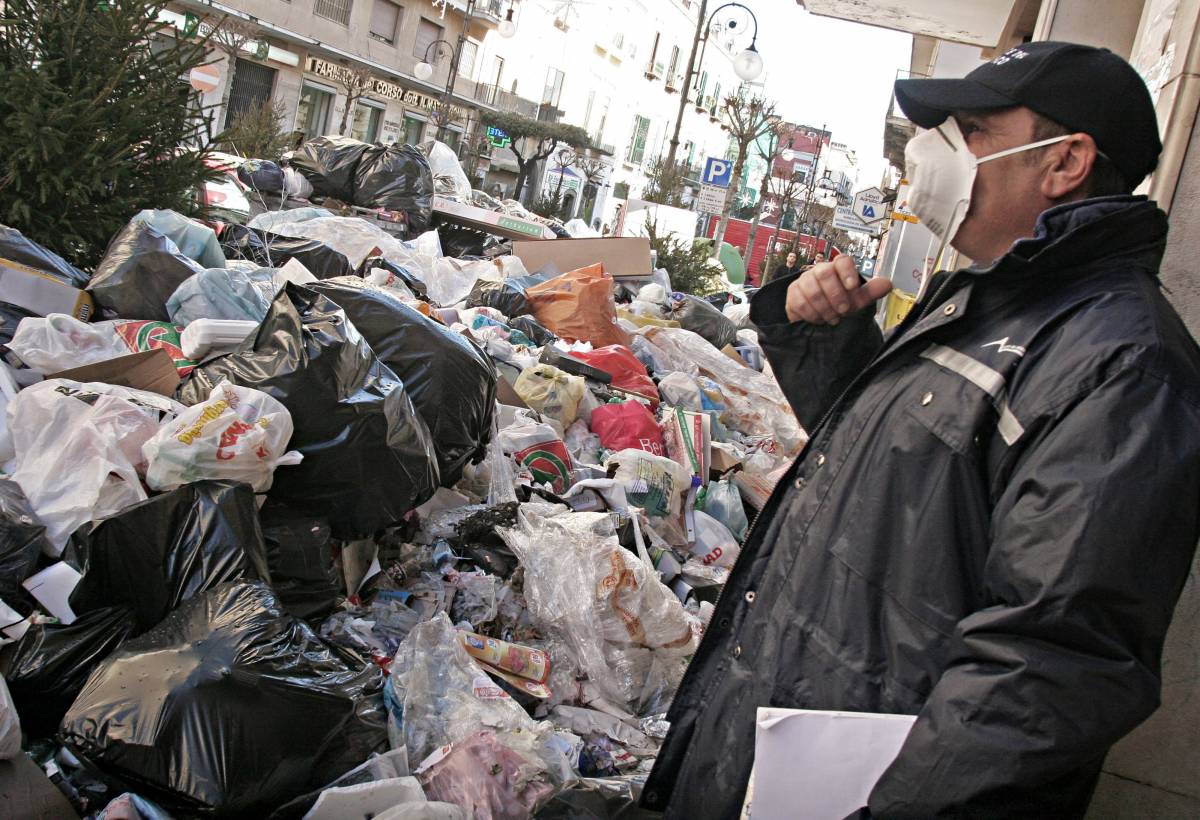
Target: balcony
{"x": 897, "y": 129}
{"x": 655, "y": 70}
{"x": 502, "y": 100}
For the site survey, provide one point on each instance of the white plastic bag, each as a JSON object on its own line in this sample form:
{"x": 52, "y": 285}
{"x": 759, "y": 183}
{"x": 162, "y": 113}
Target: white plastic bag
{"x": 267, "y": 220}
{"x": 654, "y": 483}
{"x": 10, "y": 725}
{"x": 60, "y": 342}
{"x": 715, "y": 545}
{"x": 539, "y": 448}
{"x": 224, "y": 293}
{"x": 237, "y": 433}
{"x": 8, "y": 392}
{"x": 448, "y": 177}
{"x": 79, "y": 450}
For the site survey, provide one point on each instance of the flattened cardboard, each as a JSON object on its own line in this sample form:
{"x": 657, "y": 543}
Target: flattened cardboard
{"x": 493, "y": 222}
{"x": 151, "y": 370}
{"x": 622, "y": 256}
{"x": 41, "y": 293}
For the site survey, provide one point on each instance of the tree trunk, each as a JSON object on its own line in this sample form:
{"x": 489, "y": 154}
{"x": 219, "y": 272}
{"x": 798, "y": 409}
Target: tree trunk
{"x": 762, "y": 198}
{"x": 730, "y": 198}
{"x": 350, "y": 101}
{"x": 230, "y": 60}
{"x": 522, "y": 174}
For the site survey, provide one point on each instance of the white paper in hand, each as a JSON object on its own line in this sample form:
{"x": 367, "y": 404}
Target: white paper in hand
{"x": 820, "y": 765}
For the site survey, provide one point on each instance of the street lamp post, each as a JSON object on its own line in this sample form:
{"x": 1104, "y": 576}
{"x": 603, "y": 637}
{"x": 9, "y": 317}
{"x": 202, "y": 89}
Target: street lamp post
{"x": 424, "y": 69}
{"x": 748, "y": 64}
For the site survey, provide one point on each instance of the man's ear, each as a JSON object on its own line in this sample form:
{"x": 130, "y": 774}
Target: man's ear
{"x": 1068, "y": 165}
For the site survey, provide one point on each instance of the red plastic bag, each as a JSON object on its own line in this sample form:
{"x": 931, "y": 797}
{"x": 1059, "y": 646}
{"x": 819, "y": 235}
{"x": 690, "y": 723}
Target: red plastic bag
{"x": 579, "y": 307}
{"x": 627, "y": 372}
{"x": 628, "y": 426}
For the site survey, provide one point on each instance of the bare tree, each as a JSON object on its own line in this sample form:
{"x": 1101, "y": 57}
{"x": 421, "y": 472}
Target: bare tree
{"x": 786, "y": 190}
{"x": 230, "y": 35}
{"x": 748, "y": 120}
{"x": 775, "y": 148}
{"x": 355, "y": 82}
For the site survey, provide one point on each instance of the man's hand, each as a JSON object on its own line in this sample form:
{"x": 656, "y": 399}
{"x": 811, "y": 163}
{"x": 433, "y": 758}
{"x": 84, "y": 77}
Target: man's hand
{"x": 825, "y": 293}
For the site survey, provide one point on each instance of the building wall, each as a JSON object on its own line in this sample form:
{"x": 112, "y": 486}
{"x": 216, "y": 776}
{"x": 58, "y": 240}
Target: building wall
{"x": 293, "y": 28}
{"x": 603, "y": 54}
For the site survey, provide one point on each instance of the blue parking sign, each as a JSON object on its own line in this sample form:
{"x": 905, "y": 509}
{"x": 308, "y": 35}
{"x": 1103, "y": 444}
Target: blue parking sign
{"x": 717, "y": 172}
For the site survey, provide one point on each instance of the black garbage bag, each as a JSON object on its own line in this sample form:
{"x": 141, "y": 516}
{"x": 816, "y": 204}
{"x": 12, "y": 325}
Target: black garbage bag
{"x": 48, "y": 666}
{"x": 452, "y": 383}
{"x": 261, "y": 175}
{"x": 228, "y": 708}
{"x": 459, "y": 242}
{"x": 140, "y": 270}
{"x": 330, "y": 165}
{"x": 508, "y": 296}
{"x": 368, "y": 456}
{"x": 402, "y": 273}
{"x": 14, "y": 247}
{"x": 153, "y": 556}
{"x": 270, "y": 250}
{"x": 300, "y": 557}
{"x": 397, "y": 178}
{"x": 698, "y": 316}
{"x": 22, "y": 540}
{"x": 532, "y": 328}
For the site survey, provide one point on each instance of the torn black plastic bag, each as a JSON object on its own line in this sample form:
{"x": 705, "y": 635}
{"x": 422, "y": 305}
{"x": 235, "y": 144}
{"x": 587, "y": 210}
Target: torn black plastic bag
{"x": 451, "y": 382}
{"x": 397, "y": 178}
{"x": 139, "y": 272}
{"x": 698, "y": 316}
{"x": 269, "y": 250}
{"x": 22, "y": 541}
{"x": 419, "y": 289}
{"x": 228, "y": 708}
{"x": 300, "y": 557}
{"x": 48, "y": 666}
{"x": 532, "y": 328}
{"x": 329, "y": 164}
{"x": 368, "y": 456}
{"x": 155, "y": 555}
{"x": 15, "y": 247}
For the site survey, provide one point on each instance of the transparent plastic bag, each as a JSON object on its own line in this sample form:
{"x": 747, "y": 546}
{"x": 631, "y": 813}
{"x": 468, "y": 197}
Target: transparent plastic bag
{"x": 610, "y": 631}
{"x": 448, "y": 177}
{"x": 724, "y": 503}
{"x": 487, "y": 775}
{"x": 195, "y": 240}
{"x": 79, "y": 450}
{"x": 237, "y": 433}
{"x": 442, "y": 695}
{"x": 755, "y": 401}
{"x": 224, "y": 293}
{"x": 10, "y": 725}
{"x": 267, "y": 220}
{"x": 681, "y": 390}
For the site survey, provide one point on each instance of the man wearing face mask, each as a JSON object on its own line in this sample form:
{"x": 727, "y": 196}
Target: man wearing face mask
{"x": 997, "y": 507}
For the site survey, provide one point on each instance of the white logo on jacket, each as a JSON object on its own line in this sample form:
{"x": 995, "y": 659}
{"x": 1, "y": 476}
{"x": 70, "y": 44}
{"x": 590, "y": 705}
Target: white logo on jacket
{"x": 1002, "y": 346}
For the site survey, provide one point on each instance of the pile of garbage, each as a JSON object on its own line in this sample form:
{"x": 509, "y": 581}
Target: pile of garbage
{"x": 299, "y": 519}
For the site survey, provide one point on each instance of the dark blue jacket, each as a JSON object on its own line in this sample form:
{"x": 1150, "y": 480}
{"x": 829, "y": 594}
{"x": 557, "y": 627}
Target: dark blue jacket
{"x": 989, "y": 528}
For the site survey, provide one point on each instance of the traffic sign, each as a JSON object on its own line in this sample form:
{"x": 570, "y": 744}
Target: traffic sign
{"x": 717, "y": 172}
{"x": 869, "y": 206}
{"x": 846, "y": 220}
{"x": 712, "y": 199}
{"x": 204, "y": 77}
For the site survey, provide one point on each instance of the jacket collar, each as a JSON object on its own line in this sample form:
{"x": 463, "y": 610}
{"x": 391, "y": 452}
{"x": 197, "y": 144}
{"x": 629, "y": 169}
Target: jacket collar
{"x": 1130, "y": 228}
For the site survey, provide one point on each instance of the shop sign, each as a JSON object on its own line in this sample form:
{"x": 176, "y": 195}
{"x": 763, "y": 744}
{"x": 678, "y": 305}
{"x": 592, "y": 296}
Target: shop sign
{"x": 380, "y": 88}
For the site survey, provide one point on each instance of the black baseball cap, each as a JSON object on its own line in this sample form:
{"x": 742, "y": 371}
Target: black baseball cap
{"x": 1087, "y": 89}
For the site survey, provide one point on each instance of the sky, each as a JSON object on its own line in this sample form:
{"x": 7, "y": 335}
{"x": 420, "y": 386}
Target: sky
{"x": 823, "y": 71}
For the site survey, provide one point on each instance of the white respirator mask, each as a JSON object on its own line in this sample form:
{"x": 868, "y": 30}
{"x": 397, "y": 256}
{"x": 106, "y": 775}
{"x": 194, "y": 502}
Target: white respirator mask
{"x": 941, "y": 171}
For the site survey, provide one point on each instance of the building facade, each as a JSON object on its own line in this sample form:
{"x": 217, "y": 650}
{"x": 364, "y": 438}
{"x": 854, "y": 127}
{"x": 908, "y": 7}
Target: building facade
{"x": 302, "y": 55}
{"x": 616, "y": 69}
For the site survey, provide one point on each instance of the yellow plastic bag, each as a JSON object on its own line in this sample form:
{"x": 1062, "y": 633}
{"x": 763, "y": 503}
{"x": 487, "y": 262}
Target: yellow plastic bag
{"x": 551, "y": 392}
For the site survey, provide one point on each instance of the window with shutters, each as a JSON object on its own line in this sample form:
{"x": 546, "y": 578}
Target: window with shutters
{"x": 385, "y": 21}
{"x": 251, "y": 87}
{"x": 466, "y": 58}
{"x": 427, "y": 34}
{"x": 637, "y": 143}
{"x": 552, "y": 93}
{"x": 336, "y": 10}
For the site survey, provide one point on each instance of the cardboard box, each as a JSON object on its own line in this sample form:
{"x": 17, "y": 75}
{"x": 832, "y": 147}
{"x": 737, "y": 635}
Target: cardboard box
{"x": 493, "y": 222}
{"x": 151, "y": 370}
{"x": 41, "y": 293}
{"x": 623, "y": 257}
